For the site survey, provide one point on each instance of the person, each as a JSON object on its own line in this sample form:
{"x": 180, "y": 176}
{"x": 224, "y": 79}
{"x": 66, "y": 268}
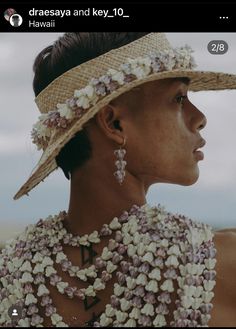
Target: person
{"x": 15, "y": 20}
{"x": 116, "y": 118}
{"x": 8, "y": 13}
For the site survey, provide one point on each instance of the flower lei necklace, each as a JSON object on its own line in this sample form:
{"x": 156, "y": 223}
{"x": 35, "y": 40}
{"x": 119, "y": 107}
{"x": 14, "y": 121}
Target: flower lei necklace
{"x": 161, "y": 248}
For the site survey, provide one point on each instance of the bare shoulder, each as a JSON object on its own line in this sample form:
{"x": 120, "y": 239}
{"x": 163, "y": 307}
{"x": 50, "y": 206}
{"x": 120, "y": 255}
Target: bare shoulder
{"x": 225, "y": 290}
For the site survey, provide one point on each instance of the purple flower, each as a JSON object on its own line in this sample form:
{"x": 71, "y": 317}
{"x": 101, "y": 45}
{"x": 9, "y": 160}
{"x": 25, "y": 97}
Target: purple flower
{"x": 122, "y": 249}
{"x": 162, "y": 309}
{"x": 32, "y": 309}
{"x": 139, "y": 291}
{"x": 136, "y": 260}
{"x": 137, "y": 302}
{"x": 150, "y": 298}
{"x": 144, "y": 268}
{"x": 36, "y": 319}
{"x": 28, "y": 288}
{"x": 121, "y": 278}
{"x": 70, "y": 291}
{"x": 145, "y": 321}
{"x": 39, "y": 278}
{"x": 99, "y": 263}
{"x": 164, "y": 297}
{"x": 124, "y": 217}
{"x": 54, "y": 279}
{"x": 170, "y": 274}
{"x": 105, "y": 276}
{"x": 50, "y": 310}
{"x": 125, "y": 266}
{"x": 114, "y": 301}
{"x": 46, "y": 300}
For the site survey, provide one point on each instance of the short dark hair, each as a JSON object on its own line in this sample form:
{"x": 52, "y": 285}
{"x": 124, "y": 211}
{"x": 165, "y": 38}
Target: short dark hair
{"x": 68, "y": 51}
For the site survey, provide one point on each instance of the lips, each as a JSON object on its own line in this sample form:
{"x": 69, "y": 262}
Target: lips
{"x": 201, "y": 143}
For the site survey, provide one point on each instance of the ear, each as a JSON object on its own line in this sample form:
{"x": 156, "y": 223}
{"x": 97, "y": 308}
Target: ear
{"x": 108, "y": 119}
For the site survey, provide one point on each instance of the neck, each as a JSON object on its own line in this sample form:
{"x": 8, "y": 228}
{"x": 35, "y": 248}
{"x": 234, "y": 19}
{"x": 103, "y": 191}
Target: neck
{"x": 96, "y": 199}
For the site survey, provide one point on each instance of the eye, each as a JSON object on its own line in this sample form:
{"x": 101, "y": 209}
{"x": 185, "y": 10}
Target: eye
{"x": 180, "y": 99}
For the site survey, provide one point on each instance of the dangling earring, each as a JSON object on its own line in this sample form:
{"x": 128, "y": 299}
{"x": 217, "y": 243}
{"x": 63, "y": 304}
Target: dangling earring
{"x": 120, "y": 164}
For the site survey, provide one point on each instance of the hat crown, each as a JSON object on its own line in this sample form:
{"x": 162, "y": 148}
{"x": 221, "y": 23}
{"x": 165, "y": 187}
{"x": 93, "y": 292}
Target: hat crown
{"x": 79, "y": 76}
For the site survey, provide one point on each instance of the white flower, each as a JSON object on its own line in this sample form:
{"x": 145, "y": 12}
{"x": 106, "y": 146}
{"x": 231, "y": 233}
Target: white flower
{"x": 90, "y": 272}
{"x": 84, "y": 240}
{"x": 167, "y": 286}
{"x": 49, "y": 271}
{"x": 148, "y": 309}
{"x": 98, "y": 285}
{"x": 131, "y": 283}
{"x": 88, "y": 91}
{"x": 131, "y": 250}
{"x": 110, "y": 311}
{"x": 174, "y": 250}
{"x": 38, "y": 258}
{"x": 118, "y": 290}
{"x": 115, "y": 224}
{"x": 135, "y": 313}
{"x": 65, "y": 111}
{"x": 124, "y": 304}
{"x": 130, "y": 323}
{"x": 198, "y": 291}
{"x": 141, "y": 279}
{"x": 30, "y": 299}
{"x": 106, "y": 254}
{"x": 56, "y": 318}
{"x": 196, "y": 303}
{"x": 172, "y": 261}
{"x": 116, "y": 76}
{"x": 209, "y": 285}
{"x": 187, "y": 301}
{"x": 47, "y": 261}
{"x": 164, "y": 243}
{"x": 105, "y": 321}
{"x": 60, "y": 256}
{"x": 159, "y": 321}
{"x": 141, "y": 249}
{"x": 42, "y": 290}
{"x": 210, "y": 263}
{"x": 148, "y": 257}
{"x": 152, "y": 247}
{"x": 181, "y": 282}
{"x": 189, "y": 290}
{"x": 121, "y": 316}
{"x": 93, "y": 237}
{"x": 83, "y": 102}
{"x": 61, "y": 286}
{"x": 24, "y": 322}
{"x": 111, "y": 267}
{"x": 26, "y": 277}
{"x": 152, "y": 286}
{"x": 127, "y": 239}
{"x": 155, "y": 274}
{"x": 207, "y": 296}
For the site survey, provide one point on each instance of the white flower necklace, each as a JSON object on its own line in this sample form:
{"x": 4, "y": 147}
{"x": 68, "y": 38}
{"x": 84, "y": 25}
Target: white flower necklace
{"x": 157, "y": 244}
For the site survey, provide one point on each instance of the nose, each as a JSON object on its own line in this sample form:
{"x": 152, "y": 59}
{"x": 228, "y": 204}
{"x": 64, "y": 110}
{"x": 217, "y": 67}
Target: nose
{"x": 198, "y": 119}
{"x": 203, "y": 122}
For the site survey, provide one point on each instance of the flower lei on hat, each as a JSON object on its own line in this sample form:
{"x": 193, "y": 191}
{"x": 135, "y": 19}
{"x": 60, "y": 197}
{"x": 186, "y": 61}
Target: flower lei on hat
{"x": 98, "y": 88}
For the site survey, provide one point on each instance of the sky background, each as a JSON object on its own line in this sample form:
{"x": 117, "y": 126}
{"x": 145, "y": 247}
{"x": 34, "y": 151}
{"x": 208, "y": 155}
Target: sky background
{"x": 211, "y": 200}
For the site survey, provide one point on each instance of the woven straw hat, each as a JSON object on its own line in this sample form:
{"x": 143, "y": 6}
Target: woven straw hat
{"x": 73, "y": 98}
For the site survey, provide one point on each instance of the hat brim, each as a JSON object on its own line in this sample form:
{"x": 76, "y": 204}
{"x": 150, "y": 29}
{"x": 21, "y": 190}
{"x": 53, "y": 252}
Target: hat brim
{"x": 199, "y": 81}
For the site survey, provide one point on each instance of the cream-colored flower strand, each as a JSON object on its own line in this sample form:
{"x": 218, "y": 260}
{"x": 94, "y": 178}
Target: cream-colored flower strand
{"x": 157, "y": 245}
{"x": 134, "y": 69}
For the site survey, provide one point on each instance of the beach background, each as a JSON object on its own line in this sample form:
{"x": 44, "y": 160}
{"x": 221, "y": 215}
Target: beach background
{"x": 211, "y": 200}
